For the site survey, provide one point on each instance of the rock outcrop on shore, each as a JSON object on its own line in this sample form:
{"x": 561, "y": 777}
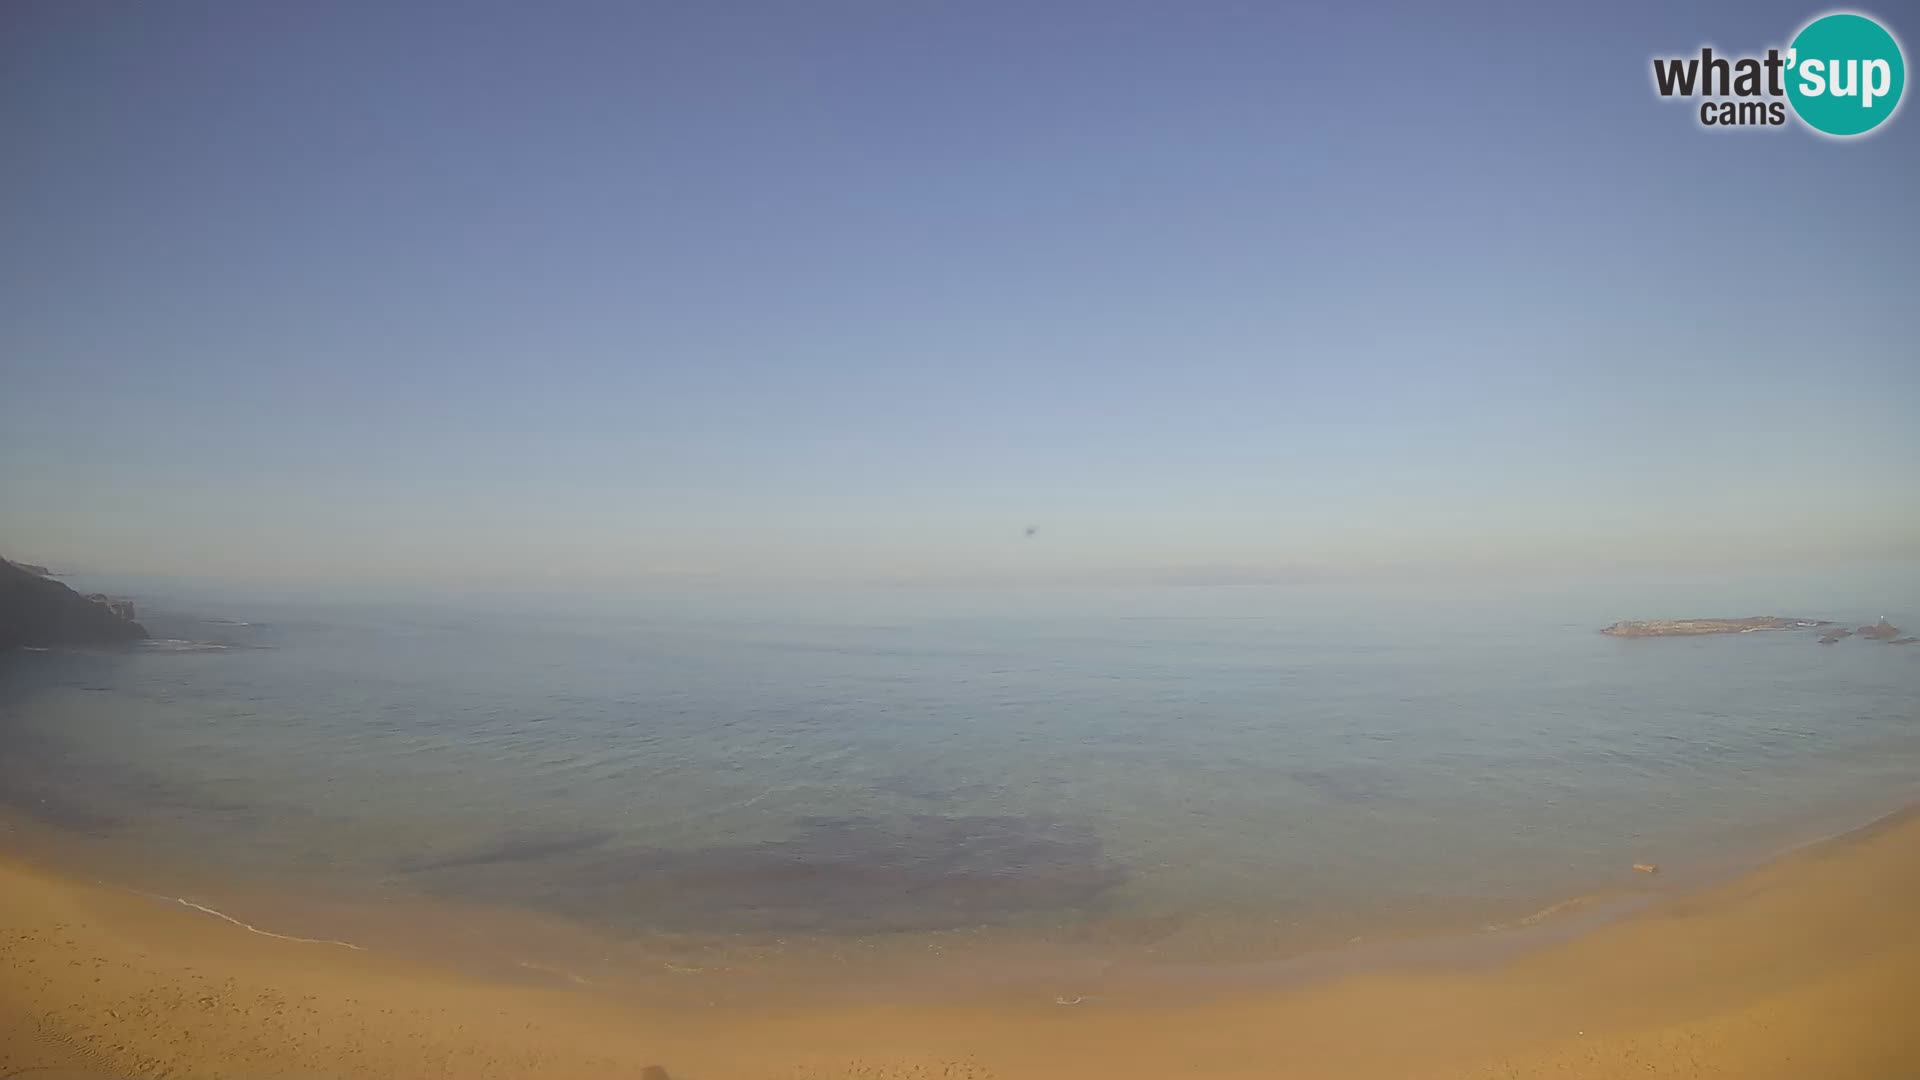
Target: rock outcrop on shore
{"x": 39, "y": 612}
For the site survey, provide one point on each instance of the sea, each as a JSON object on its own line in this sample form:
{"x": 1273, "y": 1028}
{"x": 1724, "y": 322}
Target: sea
{"x": 1046, "y": 786}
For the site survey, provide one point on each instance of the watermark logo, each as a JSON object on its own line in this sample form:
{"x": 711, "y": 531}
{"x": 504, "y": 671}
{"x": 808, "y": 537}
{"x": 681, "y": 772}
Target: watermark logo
{"x": 1842, "y": 75}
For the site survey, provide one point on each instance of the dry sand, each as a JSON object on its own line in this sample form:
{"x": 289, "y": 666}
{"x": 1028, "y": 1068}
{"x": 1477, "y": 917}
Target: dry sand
{"x": 1809, "y": 967}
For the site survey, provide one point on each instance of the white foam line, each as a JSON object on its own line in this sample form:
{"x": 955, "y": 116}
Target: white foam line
{"x": 250, "y": 928}
{"x": 755, "y": 799}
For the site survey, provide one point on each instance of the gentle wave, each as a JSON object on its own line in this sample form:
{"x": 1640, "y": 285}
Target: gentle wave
{"x": 182, "y": 645}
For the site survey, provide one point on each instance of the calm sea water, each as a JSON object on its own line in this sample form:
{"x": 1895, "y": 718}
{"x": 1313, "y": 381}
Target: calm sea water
{"x": 877, "y": 763}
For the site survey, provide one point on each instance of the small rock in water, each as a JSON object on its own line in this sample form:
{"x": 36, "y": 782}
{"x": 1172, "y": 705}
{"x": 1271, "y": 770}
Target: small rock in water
{"x": 1646, "y": 867}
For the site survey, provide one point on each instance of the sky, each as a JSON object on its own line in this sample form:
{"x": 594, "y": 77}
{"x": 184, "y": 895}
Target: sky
{"x": 832, "y": 291}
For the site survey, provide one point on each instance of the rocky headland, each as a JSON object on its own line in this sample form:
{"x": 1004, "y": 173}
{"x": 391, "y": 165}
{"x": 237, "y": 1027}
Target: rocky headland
{"x": 38, "y": 612}
{"x": 1831, "y": 633}
{"x": 1696, "y": 627}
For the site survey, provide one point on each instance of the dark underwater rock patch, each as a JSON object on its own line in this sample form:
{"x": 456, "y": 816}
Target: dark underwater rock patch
{"x": 512, "y": 849}
{"x": 852, "y": 874}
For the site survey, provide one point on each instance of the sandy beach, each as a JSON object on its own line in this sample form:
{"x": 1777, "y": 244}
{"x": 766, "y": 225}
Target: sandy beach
{"x": 1806, "y": 967}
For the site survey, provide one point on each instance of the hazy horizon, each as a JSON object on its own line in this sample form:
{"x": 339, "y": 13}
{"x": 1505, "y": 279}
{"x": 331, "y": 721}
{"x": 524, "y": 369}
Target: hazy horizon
{"x": 851, "y": 294}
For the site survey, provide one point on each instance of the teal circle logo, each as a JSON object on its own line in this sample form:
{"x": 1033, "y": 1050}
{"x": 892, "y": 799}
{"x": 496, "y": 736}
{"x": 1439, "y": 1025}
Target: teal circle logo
{"x": 1845, "y": 74}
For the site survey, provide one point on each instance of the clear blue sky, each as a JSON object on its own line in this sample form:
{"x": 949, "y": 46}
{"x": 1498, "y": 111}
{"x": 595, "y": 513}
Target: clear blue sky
{"x": 861, "y": 290}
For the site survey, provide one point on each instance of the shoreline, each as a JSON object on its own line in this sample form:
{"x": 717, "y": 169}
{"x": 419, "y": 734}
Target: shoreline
{"x": 1115, "y": 956}
{"x": 1802, "y": 964}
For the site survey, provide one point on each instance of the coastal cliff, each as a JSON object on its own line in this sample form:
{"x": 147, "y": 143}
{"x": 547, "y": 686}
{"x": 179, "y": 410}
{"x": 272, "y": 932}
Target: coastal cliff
{"x": 39, "y": 612}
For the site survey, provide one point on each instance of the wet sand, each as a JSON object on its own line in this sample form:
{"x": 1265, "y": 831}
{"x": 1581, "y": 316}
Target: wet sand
{"x": 1809, "y": 966}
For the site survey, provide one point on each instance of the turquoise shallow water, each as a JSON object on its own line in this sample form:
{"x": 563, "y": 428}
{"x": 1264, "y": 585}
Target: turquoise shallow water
{"x": 869, "y": 763}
